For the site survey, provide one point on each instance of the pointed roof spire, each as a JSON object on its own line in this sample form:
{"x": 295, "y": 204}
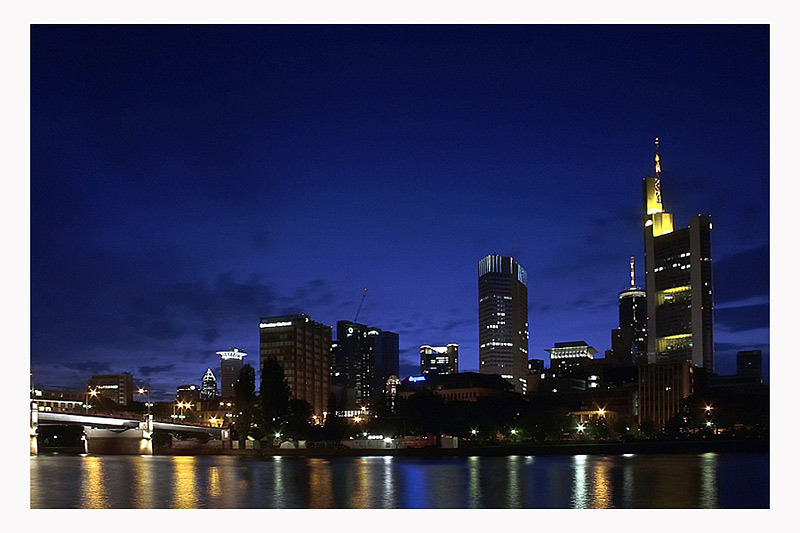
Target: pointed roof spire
{"x": 658, "y": 161}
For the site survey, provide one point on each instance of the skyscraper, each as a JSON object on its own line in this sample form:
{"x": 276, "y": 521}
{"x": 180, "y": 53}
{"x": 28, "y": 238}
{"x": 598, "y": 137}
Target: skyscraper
{"x": 230, "y": 364}
{"x": 438, "y": 360}
{"x": 363, "y": 358}
{"x": 503, "y": 318}
{"x": 677, "y": 282}
{"x": 208, "y": 387}
{"x": 302, "y": 348}
{"x": 630, "y": 340}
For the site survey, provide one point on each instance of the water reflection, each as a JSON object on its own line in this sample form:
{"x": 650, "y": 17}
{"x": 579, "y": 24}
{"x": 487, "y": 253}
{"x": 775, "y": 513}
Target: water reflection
{"x": 579, "y": 494}
{"x": 513, "y": 500}
{"x": 708, "y": 481}
{"x": 641, "y": 481}
{"x": 474, "y": 482}
{"x": 319, "y": 484}
{"x": 602, "y": 492}
{"x": 142, "y": 483}
{"x": 389, "y": 499}
{"x": 93, "y": 488}
{"x": 184, "y": 489}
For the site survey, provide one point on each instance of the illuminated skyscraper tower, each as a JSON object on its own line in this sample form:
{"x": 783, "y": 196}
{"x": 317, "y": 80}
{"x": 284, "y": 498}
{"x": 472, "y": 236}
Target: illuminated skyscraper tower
{"x": 208, "y": 389}
{"x": 677, "y": 282}
{"x": 633, "y": 315}
{"x": 503, "y": 319}
{"x": 230, "y": 364}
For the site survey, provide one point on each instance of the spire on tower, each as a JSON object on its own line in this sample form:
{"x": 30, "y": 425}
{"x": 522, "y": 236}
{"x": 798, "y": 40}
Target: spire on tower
{"x": 632, "y": 278}
{"x": 658, "y": 161}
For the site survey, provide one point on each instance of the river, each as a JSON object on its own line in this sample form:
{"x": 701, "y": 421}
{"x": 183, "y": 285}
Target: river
{"x": 641, "y": 481}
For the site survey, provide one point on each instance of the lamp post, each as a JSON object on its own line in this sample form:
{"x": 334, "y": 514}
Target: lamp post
{"x": 91, "y": 393}
{"x": 142, "y": 391}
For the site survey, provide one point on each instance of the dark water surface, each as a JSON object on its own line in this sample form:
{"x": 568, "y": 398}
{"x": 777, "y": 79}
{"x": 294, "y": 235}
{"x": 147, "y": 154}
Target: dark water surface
{"x": 708, "y": 480}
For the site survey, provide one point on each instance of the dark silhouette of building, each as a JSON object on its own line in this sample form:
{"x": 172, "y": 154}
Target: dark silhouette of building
{"x": 535, "y": 366}
{"x": 363, "y": 358}
{"x": 230, "y": 364}
{"x": 748, "y": 364}
{"x": 678, "y": 282}
{"x": 463, "y": 386}
{"x": 503, "y": 319}
{"x": 188, "y": 394}
{"x": 438, "y": 359}
{"x": 302, "y": 348}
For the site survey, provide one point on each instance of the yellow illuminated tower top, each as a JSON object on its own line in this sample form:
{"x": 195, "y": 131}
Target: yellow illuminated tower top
{"x": 654, "y": 214}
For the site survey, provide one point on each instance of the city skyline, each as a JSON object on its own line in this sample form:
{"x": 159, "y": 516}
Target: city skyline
{"x": 186, "y": 181}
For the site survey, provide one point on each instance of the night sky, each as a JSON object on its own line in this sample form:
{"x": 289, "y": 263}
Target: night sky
{"x": 186, "y": 181}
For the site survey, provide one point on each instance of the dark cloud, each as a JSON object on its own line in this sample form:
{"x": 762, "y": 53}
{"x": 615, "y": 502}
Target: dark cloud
{"x": 93, "y": 367}
{"x": 148, "y": 371}
{"x": 742, "y": 275}
{"x": 742, "y": 318}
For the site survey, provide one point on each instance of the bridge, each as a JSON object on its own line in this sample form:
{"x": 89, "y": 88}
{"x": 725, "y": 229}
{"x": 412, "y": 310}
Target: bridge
{"x": 114, "y": 434}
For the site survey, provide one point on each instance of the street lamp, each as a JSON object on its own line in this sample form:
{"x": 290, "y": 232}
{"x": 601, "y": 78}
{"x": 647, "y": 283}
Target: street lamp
{"x": 91, "y": 393}
{"x": 142, "y": 391}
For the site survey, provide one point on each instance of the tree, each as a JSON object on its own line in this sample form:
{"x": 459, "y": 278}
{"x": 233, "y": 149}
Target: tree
{"x": 245, "y": 392}
{"x": 274, "y": 394}
{"x": 298, "y": 418}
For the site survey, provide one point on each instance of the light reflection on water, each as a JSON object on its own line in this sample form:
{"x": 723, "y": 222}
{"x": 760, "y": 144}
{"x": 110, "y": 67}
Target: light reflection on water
{"x": 583, "y": 481}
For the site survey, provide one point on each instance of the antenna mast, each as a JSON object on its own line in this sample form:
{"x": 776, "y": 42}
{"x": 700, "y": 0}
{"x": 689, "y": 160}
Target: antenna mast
{"x": 359, "y": 306}
{"x": 632, "y": 278}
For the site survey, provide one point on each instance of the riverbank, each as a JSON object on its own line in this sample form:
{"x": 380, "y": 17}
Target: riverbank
{"x": 577, "y": 448}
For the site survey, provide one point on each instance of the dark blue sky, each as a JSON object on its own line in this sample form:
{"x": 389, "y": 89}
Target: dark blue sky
{"x": 187, "y": 180}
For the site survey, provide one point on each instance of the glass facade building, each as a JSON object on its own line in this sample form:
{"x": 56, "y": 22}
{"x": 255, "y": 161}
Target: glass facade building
{"x": 503, "y": 319}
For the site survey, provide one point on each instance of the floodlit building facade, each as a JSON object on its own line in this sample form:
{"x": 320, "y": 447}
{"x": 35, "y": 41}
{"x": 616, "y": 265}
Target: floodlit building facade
{"x": 302, "y": 348}
{"x": 438, "y": 360}
{"x": 678, "y": 282}
{"x": 503, "y": 319}
{"x": 566, "y": 356}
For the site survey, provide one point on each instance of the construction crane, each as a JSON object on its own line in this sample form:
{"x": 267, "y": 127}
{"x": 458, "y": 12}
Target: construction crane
{"x": 359, "y": 306}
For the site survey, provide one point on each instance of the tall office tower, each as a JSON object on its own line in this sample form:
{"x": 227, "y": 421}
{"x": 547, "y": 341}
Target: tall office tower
{"x": 677, "y": 283}
{"x": 208, "y": 387}
{"x": 116, "y": 387}
{"x": 363, "y": 358}
{"x": 302, "y": 348}
{"x": 230, "y": 364}
{"x": 630, "y": 340}
{"x": 438, "y": 360}
{"x": 503, "y": 319}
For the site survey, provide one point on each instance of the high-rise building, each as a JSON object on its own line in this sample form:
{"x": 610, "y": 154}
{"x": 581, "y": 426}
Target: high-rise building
{"x": 566, "y": 356}
{"x": 116, "y": 387}
{"x": 302, "y": 348}
{"x": 363, "y": 358}
{"x": 503, "y": 319}
{"x": 230, "y": 364}
{"x": 208, "y": 387}
{"x": 629, "y": 340}
{"x": 438, "y": 360}
{"x": 677, "y": 282}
